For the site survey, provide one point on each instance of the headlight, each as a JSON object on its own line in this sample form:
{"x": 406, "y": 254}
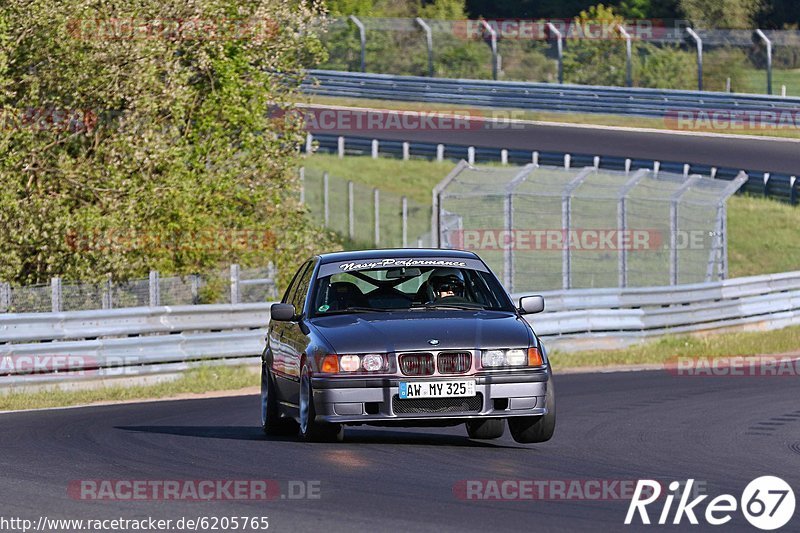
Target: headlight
{"x": 371, "y": 362}
{"x": 515, "y": 357}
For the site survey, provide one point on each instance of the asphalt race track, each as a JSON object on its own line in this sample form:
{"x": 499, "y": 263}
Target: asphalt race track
{"x": 766, "y": 155}
{"x": 722, "y": 431}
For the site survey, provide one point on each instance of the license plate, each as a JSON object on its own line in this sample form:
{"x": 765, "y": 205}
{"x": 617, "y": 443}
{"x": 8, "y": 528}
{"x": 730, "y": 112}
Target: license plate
{"x": 436, "y": 389}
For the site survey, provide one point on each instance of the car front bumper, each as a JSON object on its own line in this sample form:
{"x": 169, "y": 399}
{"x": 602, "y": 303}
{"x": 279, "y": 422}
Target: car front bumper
{"x": 375, "y": 400}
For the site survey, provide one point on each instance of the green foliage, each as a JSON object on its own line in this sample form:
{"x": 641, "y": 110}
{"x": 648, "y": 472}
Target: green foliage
{"x": 667, "y": 68}
{"x": 595, "y": 61}
{"x": 176, "y": 149}
{"x": 722, "y": 13}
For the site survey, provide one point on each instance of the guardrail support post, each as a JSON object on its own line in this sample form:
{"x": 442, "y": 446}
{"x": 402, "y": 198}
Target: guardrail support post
{"x": 340, "y": 147}
{"x": 326, "y": 198}
{"x": 493, "y": 44}
{"x": 699, "y": 42}
{"x": 628, "y": 55}
{"x": 406, "y": 151}
{"x": 55, "y": 294}
{"x": 235, "y": 296}
{"x": 375, "y": 145}
{"x": 428, "y": 43}
{"x": 351, "y": 223}
{"x": 362, "y": 33}
{"x": 440, "y": 152}
{"x": 560, "y": 48}
{"x": 471, "y": 155}
{"x": 404, "y": 212}
{"x": 768, "y": 43}
{"x": 5, "y": 297}
{"x": 503, "y": 156}
{"x": 155, "y": 292}
{"x": 376, "y": 200}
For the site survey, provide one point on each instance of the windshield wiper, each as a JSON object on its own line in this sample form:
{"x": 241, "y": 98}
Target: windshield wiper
{"x": 356, "y": 309}
{"x": 464, "y": 306}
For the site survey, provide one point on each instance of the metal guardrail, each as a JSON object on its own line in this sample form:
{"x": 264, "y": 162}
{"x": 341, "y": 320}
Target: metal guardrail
{"x": 542, "y": 96}
{"x": 781, "y": 187}
{"x": 92, "y": 344}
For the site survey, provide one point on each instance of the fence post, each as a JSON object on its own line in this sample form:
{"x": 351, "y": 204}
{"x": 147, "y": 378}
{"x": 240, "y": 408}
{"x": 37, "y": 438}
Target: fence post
{"x": 628, "y": 55}
{"x": 376, "y": 199}
{"x": 55, "y": 294}
{"x": 325, "y": 197}
{"x": 428, "y": 42}
{"x": 108, "y": 298}
{"x": 566, "y": 224}
{"x": 493, "y": 44}
{"x": 769, "y": 58}
{"x": 622, "y": 223}
{"x": 362, "y": 34}
{"x": 699, "y": 43}
{"x": 155, "y": 292}
{"x": 508, "y": 258}
{"x": 195, "y": 284}
{"x": 235, "y": 297}
{"x": 5, "y": 297}
{"x": 351, "y": 224}
{"x": 272, "y": 273}
{"x": 404, "y": 216}
{"x": 302, "y": 185}
{"x": 560, "y": 48}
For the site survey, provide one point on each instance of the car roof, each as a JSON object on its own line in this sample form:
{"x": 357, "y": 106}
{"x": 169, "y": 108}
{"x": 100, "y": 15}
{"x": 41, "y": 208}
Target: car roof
{"x": 358, "y": 255}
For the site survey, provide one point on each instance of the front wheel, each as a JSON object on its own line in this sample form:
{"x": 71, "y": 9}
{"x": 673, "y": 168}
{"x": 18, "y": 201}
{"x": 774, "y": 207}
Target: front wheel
{"x": 487, "y": 428}
{"x": 531, "y": 429}
{"x": 271, "y": 421}
{"x": 310, "y": 429}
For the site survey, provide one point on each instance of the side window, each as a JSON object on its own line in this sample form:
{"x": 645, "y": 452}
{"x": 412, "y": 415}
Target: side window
{"x": 288, "y": 296}
{"x": 298, "y": 298}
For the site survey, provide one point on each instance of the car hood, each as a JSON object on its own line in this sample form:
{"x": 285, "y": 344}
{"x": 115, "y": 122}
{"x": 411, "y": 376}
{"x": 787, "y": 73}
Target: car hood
{"x": 406, "y": 331}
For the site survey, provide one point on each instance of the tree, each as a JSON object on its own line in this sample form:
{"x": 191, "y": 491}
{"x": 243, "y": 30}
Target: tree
{"x": 141, "y": 137}
{"x": 722, "y": 13}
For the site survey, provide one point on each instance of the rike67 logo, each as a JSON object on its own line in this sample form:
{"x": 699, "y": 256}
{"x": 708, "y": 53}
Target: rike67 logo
{"x": 767, "y": 503}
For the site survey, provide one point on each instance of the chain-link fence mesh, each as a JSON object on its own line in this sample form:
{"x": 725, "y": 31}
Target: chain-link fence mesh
{"x": 664, "y": 54}
{"x": 350, "y": 209}
{"x": 548, "y": 228}
{"x": 229, "y": 285}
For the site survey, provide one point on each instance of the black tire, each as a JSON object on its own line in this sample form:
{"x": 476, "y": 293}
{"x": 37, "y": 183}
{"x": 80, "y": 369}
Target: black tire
{"x": 486, "y": 428}
{"x": 531, "y": 429}
{"x": 271, "y": 421}
{"x": 309, "y": 429}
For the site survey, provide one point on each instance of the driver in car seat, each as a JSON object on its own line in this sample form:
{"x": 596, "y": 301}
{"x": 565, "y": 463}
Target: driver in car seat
{"x": 446, "y": 285}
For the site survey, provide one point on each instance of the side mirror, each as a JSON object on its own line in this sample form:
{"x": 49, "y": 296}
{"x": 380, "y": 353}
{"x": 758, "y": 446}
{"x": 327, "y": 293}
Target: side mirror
{"x": 282, "y": 312}
{"x": 531, "y": 304}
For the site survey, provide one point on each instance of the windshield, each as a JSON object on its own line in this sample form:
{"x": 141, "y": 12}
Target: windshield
{"x": 394, "y": 289}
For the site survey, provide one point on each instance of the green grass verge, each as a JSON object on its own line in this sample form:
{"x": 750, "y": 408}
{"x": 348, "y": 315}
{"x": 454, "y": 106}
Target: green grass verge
{"x": 595, "y": 119}
{"x": 198, "y": 380}
{"x": 762, "y": 232}
{"x": 670, "y": 347}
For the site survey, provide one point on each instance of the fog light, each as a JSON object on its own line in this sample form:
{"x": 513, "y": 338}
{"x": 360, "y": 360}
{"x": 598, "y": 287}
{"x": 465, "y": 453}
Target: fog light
{"x": 349, "y": 363}
{"x": 372, "y": 362}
